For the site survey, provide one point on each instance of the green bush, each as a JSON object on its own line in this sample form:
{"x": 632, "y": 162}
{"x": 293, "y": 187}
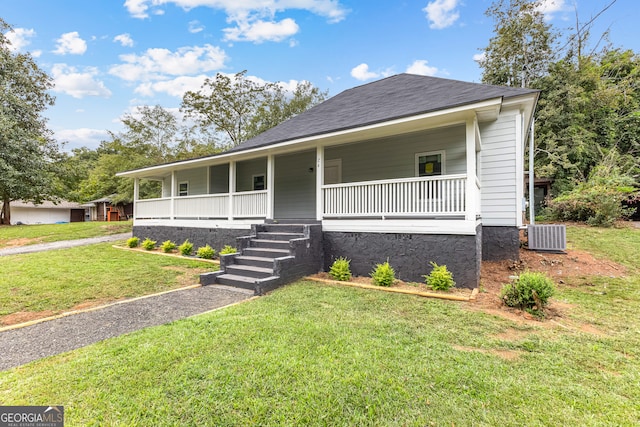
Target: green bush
{"x": 383, "y": 274}
{"x": 149, "y": 244}
{"x": 206, "y": 252}
{"x": 440, "y": 279}
{"x": 599, "y": 200}
{"x": 186, "y": 248}
{"x": 531, "y": 291}
{"x": 228, "y": 250}
{"x": 340, "y": 270}
{"x": 168, "y": 246}
{"x": 133, "y": 242}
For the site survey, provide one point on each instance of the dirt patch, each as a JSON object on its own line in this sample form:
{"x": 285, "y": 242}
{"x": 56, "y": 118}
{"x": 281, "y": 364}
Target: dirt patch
{"x": 15, "y": 243}
{"x": 187, "y": 276}
{"x": 559, "y": 266}
{"x": 503, "y": 354}
{"x": 25, "y": 316}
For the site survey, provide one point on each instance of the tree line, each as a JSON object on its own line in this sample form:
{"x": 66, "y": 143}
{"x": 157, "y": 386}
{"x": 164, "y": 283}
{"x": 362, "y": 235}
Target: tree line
{"x": 588, "y": 114}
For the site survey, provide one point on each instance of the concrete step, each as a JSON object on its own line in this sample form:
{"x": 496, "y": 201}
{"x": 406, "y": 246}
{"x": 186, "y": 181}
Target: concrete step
{"x": 265, "y": 252}
{"x": 256, "y": 261}
{"x": 237, "y": 281}
{"x": 272, "y": 235}
{"x": 273, "y": 244}
{"x": 282, "y": 228}
{"x": 249, "y": 271}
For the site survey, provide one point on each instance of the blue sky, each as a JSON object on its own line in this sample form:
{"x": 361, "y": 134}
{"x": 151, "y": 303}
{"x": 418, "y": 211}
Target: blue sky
{"x": 107, "y": 57}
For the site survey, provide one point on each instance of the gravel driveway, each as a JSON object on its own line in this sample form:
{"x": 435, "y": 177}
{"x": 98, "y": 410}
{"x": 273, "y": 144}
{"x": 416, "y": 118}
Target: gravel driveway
{"x": 26, "y": 344}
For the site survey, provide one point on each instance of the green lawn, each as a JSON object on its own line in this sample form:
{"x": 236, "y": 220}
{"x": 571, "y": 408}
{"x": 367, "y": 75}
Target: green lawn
{"x": 59, "y": 280}
{"x": 20, "y": 235}
{"x": 310, "y": 354}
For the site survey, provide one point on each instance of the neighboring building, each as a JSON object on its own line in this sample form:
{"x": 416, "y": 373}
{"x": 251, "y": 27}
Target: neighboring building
{"x": 104, "y": 210}
{"x": 46, "y": 212}
{"x": 409, "y": 168}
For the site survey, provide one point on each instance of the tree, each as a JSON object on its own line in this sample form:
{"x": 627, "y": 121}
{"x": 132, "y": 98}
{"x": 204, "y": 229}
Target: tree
{"x": 522, "y": 47}
{"x": 589, "y": 106}
{"x": 240, "y": 107}
{"x": 27, "y": 149}
{"x": 151, "y": 136}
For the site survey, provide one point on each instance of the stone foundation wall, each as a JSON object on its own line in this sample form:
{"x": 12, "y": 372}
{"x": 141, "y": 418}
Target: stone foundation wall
{"x": 408, "y": 254}
{"x": 500, "y": 243}
{"x": 215, "y": 237}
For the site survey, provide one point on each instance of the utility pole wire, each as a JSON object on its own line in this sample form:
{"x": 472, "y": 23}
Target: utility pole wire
{"x": 587, "y": 25}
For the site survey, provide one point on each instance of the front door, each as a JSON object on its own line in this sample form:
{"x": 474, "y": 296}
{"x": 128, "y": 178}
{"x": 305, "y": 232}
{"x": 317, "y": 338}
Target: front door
{"x": 333, "y": 171}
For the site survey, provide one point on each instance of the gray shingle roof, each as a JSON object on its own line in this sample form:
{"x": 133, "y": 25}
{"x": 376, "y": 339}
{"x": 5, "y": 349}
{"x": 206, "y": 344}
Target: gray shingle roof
{"x": 402, "y": 95}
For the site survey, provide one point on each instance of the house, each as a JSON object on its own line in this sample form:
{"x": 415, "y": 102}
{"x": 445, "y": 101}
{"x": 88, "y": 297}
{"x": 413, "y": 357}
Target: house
{"x": 409, "y": 168}
{"x": 104, "y": 210}
{"x": 46, "y": 212}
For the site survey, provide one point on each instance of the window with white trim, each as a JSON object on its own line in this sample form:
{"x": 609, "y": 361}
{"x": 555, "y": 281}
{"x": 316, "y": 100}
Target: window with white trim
{"x": 258, "y": 182}
{"x": 183, "y": 188}
{"x": 430, "y": 163}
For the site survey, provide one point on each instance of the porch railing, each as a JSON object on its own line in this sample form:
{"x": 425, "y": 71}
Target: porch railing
{"x": 424, "y": 196}
{"x": 203, "y": 206}
{"x": 153, "y": 208}
{"x": 249, "y": 204}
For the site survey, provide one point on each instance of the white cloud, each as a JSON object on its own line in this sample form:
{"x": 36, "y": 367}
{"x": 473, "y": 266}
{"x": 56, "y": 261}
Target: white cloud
{"x": 195, "y": 27}
{"x": 78, "y": 84}
{"x": 420, "y": 67}
{"x": 19, "y": 38}
{"x": 361, "y": 72}
{"x": 174, "y": 87}
{"x": 124, "y": 39}
{"x": 442, "y": 13}
{"x": 252, "y": 20}
{"x": 551, "y": 7}
{"x": 158, "y": 64}
{"x": 260, "y": 31}
{"x": 70, "y": 43}
{"x": 480, "y": 56}
{"x": 81, "y": 137}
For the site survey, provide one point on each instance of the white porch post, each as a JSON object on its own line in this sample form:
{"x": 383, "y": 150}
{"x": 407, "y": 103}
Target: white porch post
{"x": 232, "y": 187}
{"x": 136, "y": 195}
{"x": 470, "y": 196}
{"x": 319, "y": 182}
{"x": 270, "y": 186}
{"x": 173, "y": 195}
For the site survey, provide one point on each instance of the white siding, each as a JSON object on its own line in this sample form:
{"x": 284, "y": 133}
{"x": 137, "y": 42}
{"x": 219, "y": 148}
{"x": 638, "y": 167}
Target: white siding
{"x": 246, "y": 170}
{"x": 499, "y": 171}
{"x": 197, "y": 179}
{"x": 39, "y": 215}
{"x": 295, "y": 186}
{"x": 392, "y": 158}
{"x": 219, "y": 179}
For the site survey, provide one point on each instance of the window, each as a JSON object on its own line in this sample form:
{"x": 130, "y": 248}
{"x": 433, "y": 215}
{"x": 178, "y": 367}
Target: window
{"x": 430, "y": 164}
{"x": 183, "y": 188}
{"x": 258, "y": 182}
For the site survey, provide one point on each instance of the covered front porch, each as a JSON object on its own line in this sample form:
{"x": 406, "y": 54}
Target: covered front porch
{"x": 420, "y": 182}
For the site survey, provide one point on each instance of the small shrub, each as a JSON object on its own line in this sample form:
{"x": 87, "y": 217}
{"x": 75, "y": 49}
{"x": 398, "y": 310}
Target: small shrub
{"x": 206, "y": 252}
{"x": 167, "y": 246}
{"x": 531, "y": 292}
{"x": 186, "y": 248}
{"x": 149, "y": 244}
{"x": 340, "y": 270}
{"x": 440, "y": 279}
{"x": 228, "y": 250}
{"x": 133, "y": 242}
{"x": 383, "y": 274}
